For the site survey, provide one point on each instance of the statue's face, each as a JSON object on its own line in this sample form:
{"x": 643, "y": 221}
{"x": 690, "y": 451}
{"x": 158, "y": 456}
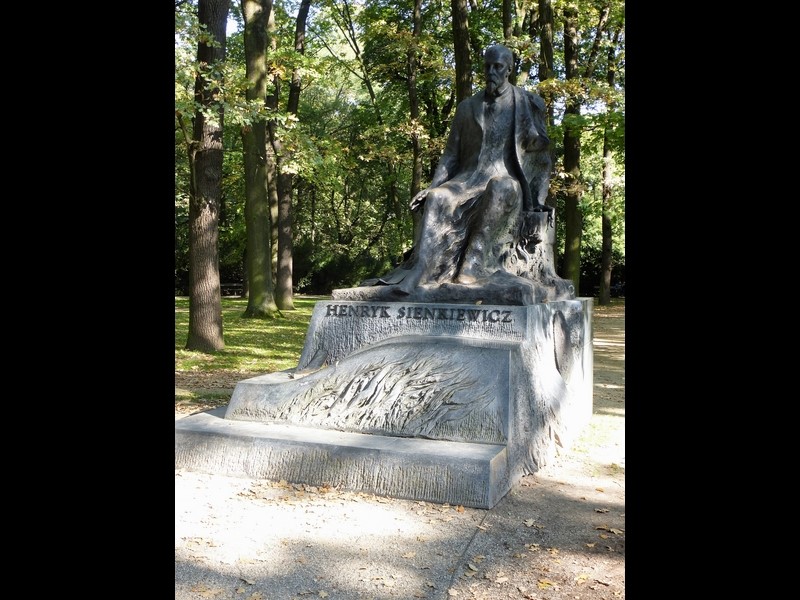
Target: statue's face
{"x": 495, "y": 71}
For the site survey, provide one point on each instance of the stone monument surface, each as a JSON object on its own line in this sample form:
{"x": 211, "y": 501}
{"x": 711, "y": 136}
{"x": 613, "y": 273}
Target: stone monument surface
{"x": 452, "y": 376}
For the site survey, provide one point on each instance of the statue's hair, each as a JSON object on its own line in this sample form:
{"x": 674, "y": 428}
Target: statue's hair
{"x": 504, "y": 52}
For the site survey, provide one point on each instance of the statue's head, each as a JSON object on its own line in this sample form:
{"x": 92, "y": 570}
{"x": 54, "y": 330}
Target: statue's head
{"x": 497, "y": 64}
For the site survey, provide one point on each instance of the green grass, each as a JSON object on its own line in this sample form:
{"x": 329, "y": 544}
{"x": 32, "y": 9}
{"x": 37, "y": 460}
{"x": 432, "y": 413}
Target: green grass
{"x": 260, "y": 345}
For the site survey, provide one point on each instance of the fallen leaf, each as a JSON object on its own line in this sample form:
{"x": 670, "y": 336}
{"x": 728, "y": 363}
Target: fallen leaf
{"x": 590, "y": 544}
{"x": 501, "y": 580}
{"x": 611, "y": 529}
{"x": 409, "y": 555}
{"x": 532, "y": 523}
{"x": 545, "y": 583}
{"x": 603, "y": 582}
{"x": 460, "y": 509}
{"x": 323, "y": 594}
{"x": 582, "y": 578}
{"x": 601, "y": 510}
{"x": 472, "y": 567}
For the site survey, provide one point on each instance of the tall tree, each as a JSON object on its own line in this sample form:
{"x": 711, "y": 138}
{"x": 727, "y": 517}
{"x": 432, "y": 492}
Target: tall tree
{"x": 573, "y": 184}
{"x": 273, "y": 101}
{"x": 607, "y": 241}
{"x": 413, "y": 104}
{"x": 205, "y": 301}
{"x": 546, "y": 68}
{"x": 571, "y": 268}
{"x": 258, "y": 257}
{"x": 461, "y": 46}
{"x": 285, "y": 178}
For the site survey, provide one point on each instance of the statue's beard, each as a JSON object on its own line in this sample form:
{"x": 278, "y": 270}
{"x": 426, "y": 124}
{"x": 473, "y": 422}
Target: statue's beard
{"x": 491, "y": 88}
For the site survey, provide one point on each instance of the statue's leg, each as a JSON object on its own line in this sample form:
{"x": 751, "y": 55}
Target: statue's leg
{"x": 439, "y": 241}
{"x": 497, "y": 211}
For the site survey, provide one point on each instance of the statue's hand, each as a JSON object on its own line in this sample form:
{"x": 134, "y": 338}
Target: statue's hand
{"x": 418, "y": 200}
{"x": 544, "y": 208}
{"x": 528, "y": 231}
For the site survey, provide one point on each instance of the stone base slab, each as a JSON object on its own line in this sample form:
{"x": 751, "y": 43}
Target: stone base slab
{"x": 474, "y": 475}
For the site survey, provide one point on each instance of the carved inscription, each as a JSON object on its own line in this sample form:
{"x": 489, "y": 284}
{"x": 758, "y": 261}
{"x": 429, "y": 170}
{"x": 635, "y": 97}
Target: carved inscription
{"x": 420, "y": 313}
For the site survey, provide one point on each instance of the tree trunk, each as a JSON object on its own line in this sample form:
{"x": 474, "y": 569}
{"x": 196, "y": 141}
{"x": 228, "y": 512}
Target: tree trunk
{"x": 272, "y": 161}
{"x": 461, "y": 48}
{"x": 205, "y": 300}
{"x": 573, "y": 222}
{"x": 413, "y": 100}
{"x": 260, "y": 285}
{"x": 285, "y": 180}
{"x": 245, "y": 276}
{"x": 283, "y": 292}
{"x": 607, "y": 246}
{"x": 508, "y": 22}
{"x": 508, "y": 33}
{"x": 545, "y": 23}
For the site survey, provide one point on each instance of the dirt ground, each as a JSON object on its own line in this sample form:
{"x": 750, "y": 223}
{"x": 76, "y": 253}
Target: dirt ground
{"x": 558, "y": 535}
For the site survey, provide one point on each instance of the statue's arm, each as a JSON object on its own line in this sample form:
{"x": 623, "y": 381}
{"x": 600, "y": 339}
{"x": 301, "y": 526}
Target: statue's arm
{"x": 538, "y": 140}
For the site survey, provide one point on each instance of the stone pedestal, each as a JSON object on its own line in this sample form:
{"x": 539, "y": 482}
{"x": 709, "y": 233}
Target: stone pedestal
{"x": 437, "y": 402}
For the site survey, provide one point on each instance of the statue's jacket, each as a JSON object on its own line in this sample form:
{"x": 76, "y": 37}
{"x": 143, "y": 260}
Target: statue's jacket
{"x": 466, "y": 139}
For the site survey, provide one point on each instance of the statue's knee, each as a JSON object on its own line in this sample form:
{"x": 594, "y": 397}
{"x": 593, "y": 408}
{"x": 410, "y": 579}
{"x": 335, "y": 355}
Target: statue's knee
{"x": 435, "y": 197}
{"x": 438, "y": 203}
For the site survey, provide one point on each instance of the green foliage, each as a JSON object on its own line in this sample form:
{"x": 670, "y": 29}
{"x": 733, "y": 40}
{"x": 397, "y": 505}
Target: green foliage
{"x": 351, "y": 153}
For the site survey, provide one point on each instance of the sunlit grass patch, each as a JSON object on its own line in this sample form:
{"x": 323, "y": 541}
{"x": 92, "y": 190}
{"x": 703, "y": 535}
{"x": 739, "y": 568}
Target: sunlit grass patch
{"x": 262, "y": 345}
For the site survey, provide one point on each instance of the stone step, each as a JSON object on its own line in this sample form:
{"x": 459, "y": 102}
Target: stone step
{"x": 469, "y": 474}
